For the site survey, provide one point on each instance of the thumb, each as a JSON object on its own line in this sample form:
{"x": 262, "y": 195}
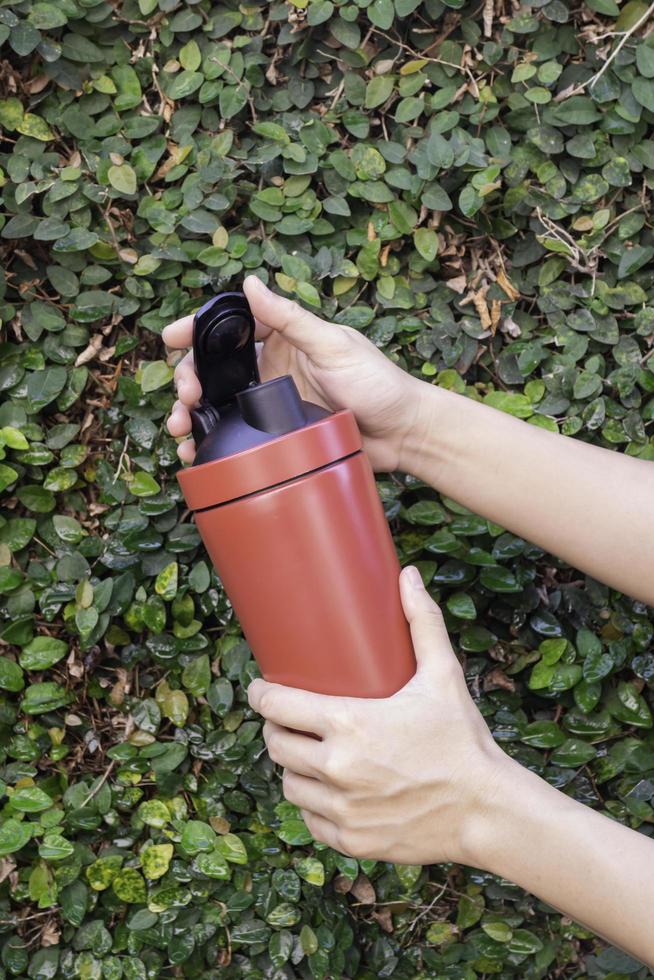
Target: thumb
{"x": 316, "y": 338}
{"x": 428, "y": 632}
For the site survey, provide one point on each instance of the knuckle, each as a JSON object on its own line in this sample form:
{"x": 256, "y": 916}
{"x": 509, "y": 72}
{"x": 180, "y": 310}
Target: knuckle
{"x": 333, "y": 765}
{"x": 274, "y": 746}
{"x": 348, "y": 842}
{"x": 267, "y": 703}
{"x": 341, "y": 717}
{"x": 289, "y": 786}
{"x": 343, "y": 812}
{"x": 452, "y": 671}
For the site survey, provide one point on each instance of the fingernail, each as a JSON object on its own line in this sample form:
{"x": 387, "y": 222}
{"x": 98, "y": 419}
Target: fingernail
{"x": 255, "y": 282}
{"x": 414, "y": 577}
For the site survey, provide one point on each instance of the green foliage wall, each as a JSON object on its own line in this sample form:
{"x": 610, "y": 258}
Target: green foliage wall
{"x": 469, "y": 187}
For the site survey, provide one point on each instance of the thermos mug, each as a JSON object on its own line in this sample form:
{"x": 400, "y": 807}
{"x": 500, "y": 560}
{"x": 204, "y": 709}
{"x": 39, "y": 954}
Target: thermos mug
{"x": 285, "y": 501}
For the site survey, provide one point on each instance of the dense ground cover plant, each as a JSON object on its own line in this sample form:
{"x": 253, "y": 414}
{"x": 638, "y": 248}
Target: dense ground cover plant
{"x": 468, "y": 184}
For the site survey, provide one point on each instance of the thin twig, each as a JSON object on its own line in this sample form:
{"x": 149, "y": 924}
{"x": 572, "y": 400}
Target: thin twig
{"x": 437, "y": 897}
{"x": 103, "y": 780}
{"x": 578, "y": 89}
{"x": 120, "y": 460}
{"x": 436, "y": 61}
{"x": 627, "y": 35}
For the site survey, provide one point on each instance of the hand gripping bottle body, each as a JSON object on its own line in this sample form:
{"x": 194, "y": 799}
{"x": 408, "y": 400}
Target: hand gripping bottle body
{"x": 286, "y": 504}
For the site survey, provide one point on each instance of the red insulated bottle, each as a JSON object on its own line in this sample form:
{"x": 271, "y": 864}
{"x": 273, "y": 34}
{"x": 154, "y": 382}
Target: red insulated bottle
{"x": 286, "y": 504}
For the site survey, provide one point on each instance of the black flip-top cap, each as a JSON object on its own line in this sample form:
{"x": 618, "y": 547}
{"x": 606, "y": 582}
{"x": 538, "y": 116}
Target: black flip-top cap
{"x": 236, "y": 410}
{"x": 224, "y": 349}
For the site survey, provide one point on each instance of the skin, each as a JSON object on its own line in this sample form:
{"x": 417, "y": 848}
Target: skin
{"x": 428, "y": 783}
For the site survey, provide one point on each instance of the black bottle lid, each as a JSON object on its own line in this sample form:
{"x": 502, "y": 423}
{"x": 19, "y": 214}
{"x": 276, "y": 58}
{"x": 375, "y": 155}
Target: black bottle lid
{"x": 237, "y": 410}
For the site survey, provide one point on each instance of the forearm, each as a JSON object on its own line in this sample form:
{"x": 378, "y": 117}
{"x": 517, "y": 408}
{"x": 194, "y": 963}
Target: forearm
{"x": 586, "y": 865}
{"x": 590, "y": 506}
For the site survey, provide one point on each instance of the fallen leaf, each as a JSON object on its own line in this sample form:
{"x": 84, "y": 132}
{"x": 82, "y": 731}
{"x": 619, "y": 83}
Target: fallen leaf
{"x": 497, "y": 679}
{"x": 51, "y": 934}
{"x": 496, "y": 312}
{"x": 384, "y": 918}
{"x": 6, "y": 868}
{"x": 481, "y": 306}
{"x": 507, "y": 286}
{"x": 458, "y": 284}
{"x": 363, "y": 890}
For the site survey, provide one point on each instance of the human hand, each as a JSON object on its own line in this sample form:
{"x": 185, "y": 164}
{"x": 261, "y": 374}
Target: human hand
{"x": 404, "y": 779}
{"x": 333, "y": 366}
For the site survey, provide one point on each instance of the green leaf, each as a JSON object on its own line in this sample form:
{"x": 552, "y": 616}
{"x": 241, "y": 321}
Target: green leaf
{"x": 293, "y": 831}
{"x": 30, "y": 799}
{"x": 47, "y": 696}
{"x": 500, "y": 932}
{"x": 213, "y": 865}
{"x": 198, "y": 836}
{"x": 143, "y": 485}
{"x": 155, "y": 375}
{"x": 166, "y": 582}
{"x": 155, "y": 860}
{"x": 35, "y": 127}
{"x": 461, "y": 605}
{"x": 311, "y": 870}
{"x": 14, "y": 835}
{"x": 381, "y": 13}
{"x": 54, "y": 847}
{"x": 11, "y": 675}
{"x": 122, "y": 178}
{"x": 42, "y": 652}
{"x": 426, "y": 243}
{"x": 196, "y": 676}
{"x": 543, "y": 735}
{"x": 11, "y": 113}
{"x": 573, "y": 753}
{"x": 378, "y": 90}
{"x": 129, "y": 886}
{"x": 232, "y": 848}
{"x": 8, "y": 475}
{"x": 154, "y": 813}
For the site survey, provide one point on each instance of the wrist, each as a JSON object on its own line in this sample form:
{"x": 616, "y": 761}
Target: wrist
{"x": 507, "y": 814}
{"x": 424, "y": 450}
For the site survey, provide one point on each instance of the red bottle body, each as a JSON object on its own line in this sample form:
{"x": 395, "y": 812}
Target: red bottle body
{"x": 308, "y": 560}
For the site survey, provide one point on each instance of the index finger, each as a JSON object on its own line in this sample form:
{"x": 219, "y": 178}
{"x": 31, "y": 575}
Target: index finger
{"x": 179, "y": 333}
{"x": 302, "y": 711}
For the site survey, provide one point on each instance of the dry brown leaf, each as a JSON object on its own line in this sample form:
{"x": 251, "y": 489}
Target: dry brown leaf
{"x": 384, "y": 918}
{"x": 6, "y": 868}
{"x": 510, "y": 327}
{"x": 220, "y": 825}
{"x": 90, "y": 351}
{"x": 363, "y": 890}
{"x": 73, "y": 666}
{"x": 497, "y": 679}
{"x": 481, "y": 306}
{"x": 37, "y": 84}
{"x": 458, "y": 284}
{"x": 496, "y": 312}
{"x": 120, "y": 688}
{"x": 507, "y": 286}
{"x": 488, "y": 15}
{"x": 51, "y": 934}
{"x": 342, "y": 884}
{"x": 372, "y": 234}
